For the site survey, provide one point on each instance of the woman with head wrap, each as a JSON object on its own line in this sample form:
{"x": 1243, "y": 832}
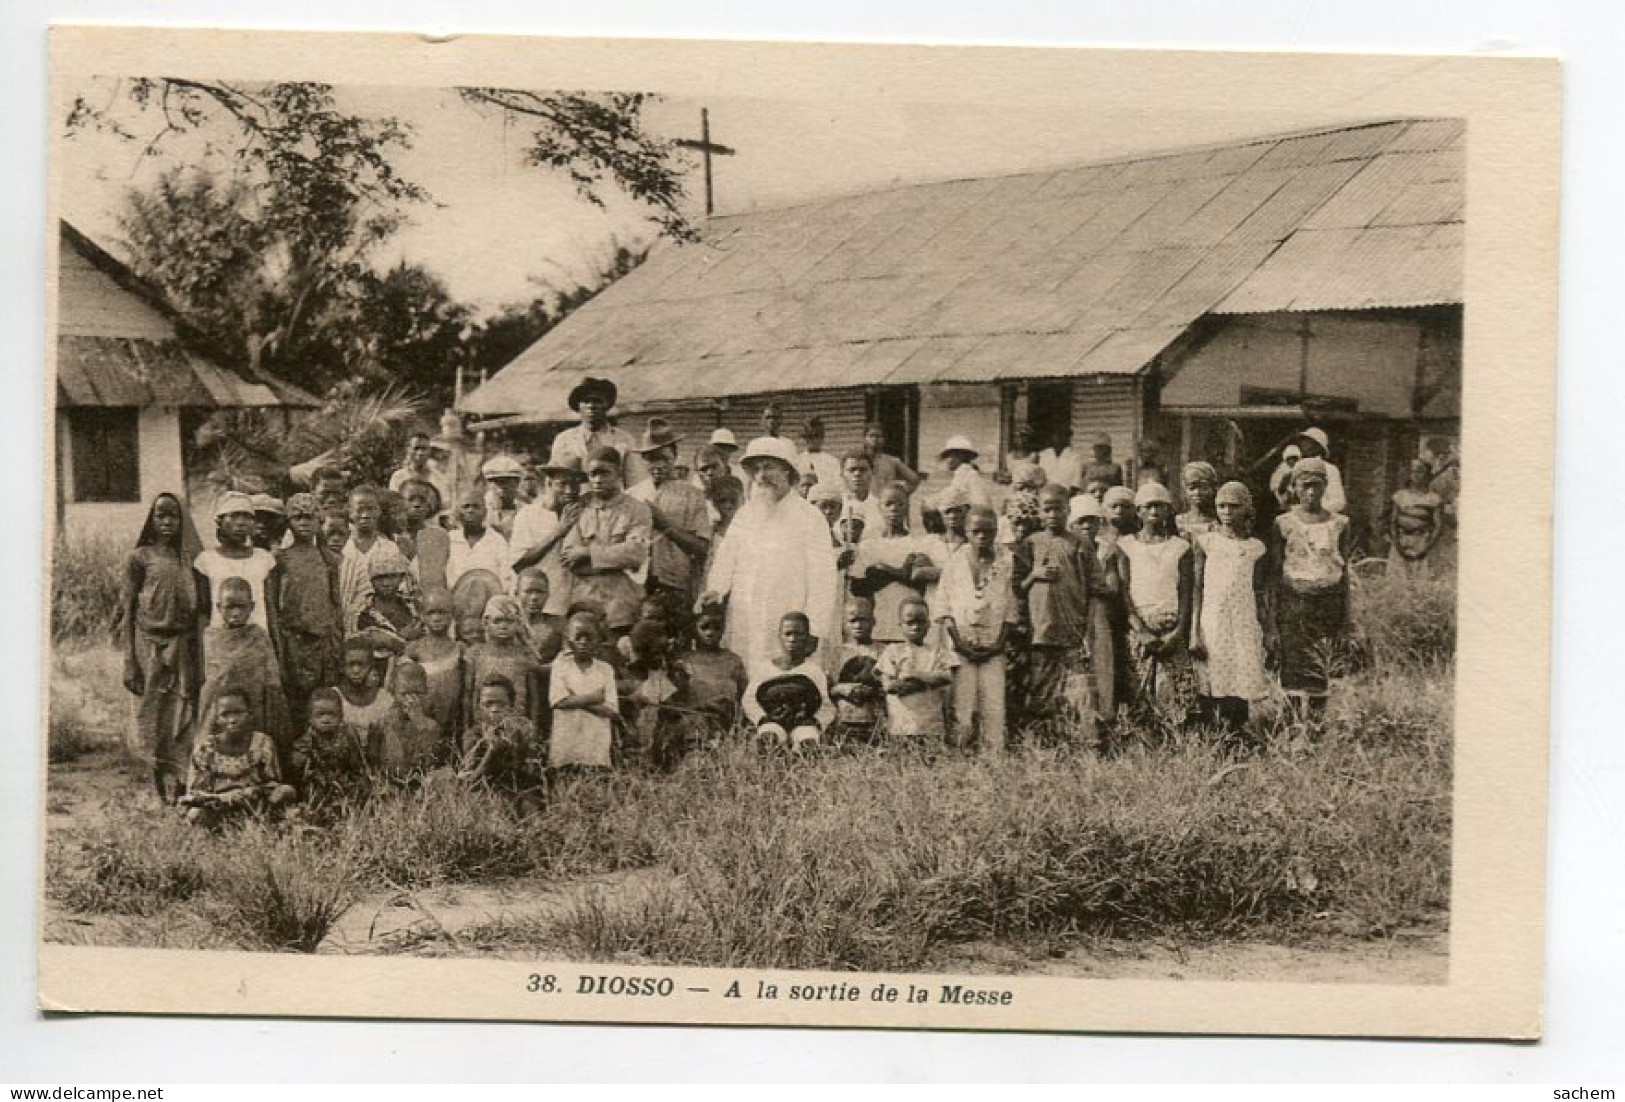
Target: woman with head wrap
{"x": 1201, "y": 483}
{"x": 1310, "y": 559}
{"x": 1230, "y": 612}
{"x": 161, "y": 662}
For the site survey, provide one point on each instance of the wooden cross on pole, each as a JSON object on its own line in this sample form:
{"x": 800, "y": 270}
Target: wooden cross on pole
{"x": 706, "y": 147}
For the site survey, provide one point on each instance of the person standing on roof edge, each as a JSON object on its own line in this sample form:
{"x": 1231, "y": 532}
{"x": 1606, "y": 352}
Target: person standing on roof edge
{"x": 592, "y": 399}
{"x": 1315, "y": 444}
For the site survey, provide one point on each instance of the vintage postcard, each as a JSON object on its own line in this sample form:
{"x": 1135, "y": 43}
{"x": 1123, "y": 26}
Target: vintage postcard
{"x": 790, "y": 534}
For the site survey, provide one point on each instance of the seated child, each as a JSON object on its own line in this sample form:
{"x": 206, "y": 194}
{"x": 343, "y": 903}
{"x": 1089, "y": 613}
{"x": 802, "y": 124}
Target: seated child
{"x": 788, "y": 698}
{"x": 917, "y": 678}
{"x": 330, "y": 763}
{"x": 502, "y": 752}
{"x": 857, "y": 692}
{"x": 441, "y": 658}
{"x": 714, "y": 679}
{"x": 412, "y": 743}
{"x": 582, "y": 694}
{"x": 234, "y": 767}
{"x": 542, "y": 630}
{"x": 238, "y": 652}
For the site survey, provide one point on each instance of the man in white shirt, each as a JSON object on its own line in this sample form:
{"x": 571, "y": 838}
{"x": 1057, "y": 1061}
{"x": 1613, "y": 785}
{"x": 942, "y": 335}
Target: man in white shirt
{"x": 824, "y": 467}
{"x": 540, "y": 528}
{"x": 420, "y": 465}
{"x": 959, "y": 456}
{"x": 593, "y": 399}
{"x": 476, "y": 547}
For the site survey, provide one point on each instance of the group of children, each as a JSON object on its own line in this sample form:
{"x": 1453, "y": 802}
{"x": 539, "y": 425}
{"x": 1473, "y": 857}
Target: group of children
{"x": 341, "y": 641}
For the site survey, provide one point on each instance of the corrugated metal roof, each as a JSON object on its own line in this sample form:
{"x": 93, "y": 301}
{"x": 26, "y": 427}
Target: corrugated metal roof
{"x": 1093, "y": 269}
{"x": 118, "y": 345}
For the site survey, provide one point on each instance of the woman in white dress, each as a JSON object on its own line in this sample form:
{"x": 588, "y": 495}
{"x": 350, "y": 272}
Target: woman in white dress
{"x": 1227, "y": 634}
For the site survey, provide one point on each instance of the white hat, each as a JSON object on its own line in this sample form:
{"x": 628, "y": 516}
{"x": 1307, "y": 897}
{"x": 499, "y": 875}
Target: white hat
{"x": 958, "y": 444}
{"x": 770, "y": 447}
{"x": 724, "y": 438}
{"x": 1318, "y": 436}
{"x": 503, "y": 466}
{"x": 1083, "y": 505}
{"x": 232, "y": 502}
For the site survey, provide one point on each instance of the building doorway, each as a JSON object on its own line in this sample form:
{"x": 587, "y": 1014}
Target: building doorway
{"x": 897, "y": 410}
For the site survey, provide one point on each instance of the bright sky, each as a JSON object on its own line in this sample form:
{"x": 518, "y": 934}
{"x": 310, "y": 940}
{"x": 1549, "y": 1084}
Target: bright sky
{"x": 500, "y": 227}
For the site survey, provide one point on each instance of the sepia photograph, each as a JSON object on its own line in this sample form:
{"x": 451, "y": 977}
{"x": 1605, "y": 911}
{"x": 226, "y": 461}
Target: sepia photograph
{"x": 628, "y": 534}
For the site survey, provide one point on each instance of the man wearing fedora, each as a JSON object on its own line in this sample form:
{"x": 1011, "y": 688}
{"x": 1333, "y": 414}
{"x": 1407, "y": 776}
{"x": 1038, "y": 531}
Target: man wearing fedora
{"x": 680, "y": 516}
{"x": 592, "y": 399}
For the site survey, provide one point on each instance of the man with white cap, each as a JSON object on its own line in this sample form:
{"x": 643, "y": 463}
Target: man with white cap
{"x": 959, "y": 455}
{"x": 776, "y": 557}
{"x": 1313, "y": 443}
{"x": 502, "y": 474}
{"x": 593, "y": 399}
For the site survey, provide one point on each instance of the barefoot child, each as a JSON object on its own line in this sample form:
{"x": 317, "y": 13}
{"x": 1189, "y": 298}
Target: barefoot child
{"x": 1227, "y": 632}
{"x": 237, "y": 652}
{"x": 1052, "y": 571}
{"x": 581, "y": 691}
{"x": 1161, "y": 581}
{"x": 917, "y": 678}
{"x": 304, "y": 595}
{"x": 1309, "y": 558}
{"x": 978, "y": 609}
{"x": 234, "y": 767}
{"x": 161, "y": 660}
{"x": 788, "y": 697}
{"x": 857, "y": 692}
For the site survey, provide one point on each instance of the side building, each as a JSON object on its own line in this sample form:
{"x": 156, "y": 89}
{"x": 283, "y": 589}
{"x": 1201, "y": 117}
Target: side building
{"x": 129, "y": 393}
{"x": 1204, "y": 303}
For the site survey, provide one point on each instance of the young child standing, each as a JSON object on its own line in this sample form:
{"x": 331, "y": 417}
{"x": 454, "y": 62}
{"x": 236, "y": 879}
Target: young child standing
{"x": 917, "y": 678}
{"x": 440, "y": 656}
{"x": 1086, "y": 517}
{"x": 715, "y": 678}
{"x": 788, "y": 697}
{"x": 304, "y": 595}
{"x": 1227, "y": 632}
{"x": 161, "y": 660}
{"x": 581, "y": 692}
{"x": 235, "y": 770}
{"x": 1310, "y": 559}
{"x": 238, "y": 653}
{"x": 430, "y": 544}
{"x": 1161, "y": 582}
{"x": 1052, "y": 572}
{"x": 856, "y": 692}
{"x": 1200, "y": 515}
{"x": 891, "y": 565}
{"x": 505, "y": 649}
{"x": 1415, "y": 522}
{"x": 366, "y": 542}
{"x": 413, "y": 743}
{"x": 978, "y": 610}
{"x": 534, "y": 593}
{"x": 235, "y": 557}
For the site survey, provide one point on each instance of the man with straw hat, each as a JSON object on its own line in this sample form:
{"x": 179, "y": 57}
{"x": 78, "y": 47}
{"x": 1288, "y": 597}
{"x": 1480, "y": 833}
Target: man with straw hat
{"x": 592, "y": 399}
{"x": 680, "y": 516}
{"x": 960, "y": 456}
{"x": 777, "y": 557}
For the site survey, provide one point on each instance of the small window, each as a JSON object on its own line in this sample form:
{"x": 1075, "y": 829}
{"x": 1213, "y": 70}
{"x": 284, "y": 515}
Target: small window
{"x": 104, "y": 444}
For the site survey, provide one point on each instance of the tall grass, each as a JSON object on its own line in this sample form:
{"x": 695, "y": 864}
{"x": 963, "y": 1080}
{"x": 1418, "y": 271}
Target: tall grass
{"x": 87, "y": 578}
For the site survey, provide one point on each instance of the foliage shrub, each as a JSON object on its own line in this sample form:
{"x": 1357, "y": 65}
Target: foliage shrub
{"x": 87, "y": 580}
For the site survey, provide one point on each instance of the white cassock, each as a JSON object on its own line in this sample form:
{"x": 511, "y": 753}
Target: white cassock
{"x": 776, "y": 558}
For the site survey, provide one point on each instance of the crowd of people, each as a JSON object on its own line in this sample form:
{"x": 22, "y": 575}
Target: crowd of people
{"x": 611, "y": 605}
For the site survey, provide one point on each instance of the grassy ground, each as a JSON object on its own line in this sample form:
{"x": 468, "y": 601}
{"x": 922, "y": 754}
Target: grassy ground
{"x": 865, "y": 861}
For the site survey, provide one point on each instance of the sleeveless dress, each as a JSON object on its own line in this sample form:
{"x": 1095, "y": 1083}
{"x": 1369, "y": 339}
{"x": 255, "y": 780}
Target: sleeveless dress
{"x": 1230, "y": 630}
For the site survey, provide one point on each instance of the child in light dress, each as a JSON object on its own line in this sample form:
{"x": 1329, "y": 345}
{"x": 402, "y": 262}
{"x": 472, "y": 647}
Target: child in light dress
{"x": 582, "y": 694}
{"x": 1230, "y": 613}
